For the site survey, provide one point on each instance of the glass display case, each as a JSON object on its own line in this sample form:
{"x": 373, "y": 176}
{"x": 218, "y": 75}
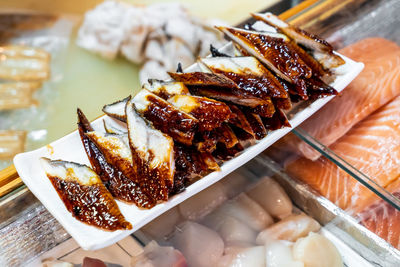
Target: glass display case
{"x": 27, "y": 230}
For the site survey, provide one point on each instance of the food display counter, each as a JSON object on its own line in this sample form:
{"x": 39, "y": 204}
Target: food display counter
{"x": 336, "y": 176}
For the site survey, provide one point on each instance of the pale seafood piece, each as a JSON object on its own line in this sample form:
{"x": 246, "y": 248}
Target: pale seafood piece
{"x": 291, "y": 228}
{"x": 20, "y": 63}
{"x": 315, "y": 250}
{"x": 154, "y": 255}
{"x": 230, "y": 229}
{"x": 12, "y": 142}
{"x": 201, "y": 246}
{"x": 152, "y": 152}
{"x": 203, "y": 203}
{"x": 15, "y": 95}
{"x": 153, "y": 69}
{"x": 271, "y": 196}
{"x": 279, "y": 254}
{"x": 117, "y": 109}
{"x": 247, "y": 211}
{"x": 165, "y": 89}
{"x": 163, "y": 225}
{"x": 56, "y": 263}
{"x": 248, "y": 257}
{"x": 101, "y": 30}
{"x": 262, "y": 27}
{"x": 84, "y": 194}
{"x": 111, "y": 129}
{"x": 322, "y": 50}
{"x": 165, "y": 117}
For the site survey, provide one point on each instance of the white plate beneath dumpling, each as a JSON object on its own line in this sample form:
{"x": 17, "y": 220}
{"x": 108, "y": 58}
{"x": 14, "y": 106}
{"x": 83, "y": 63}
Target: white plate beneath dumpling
{"x": 70, "y": 148}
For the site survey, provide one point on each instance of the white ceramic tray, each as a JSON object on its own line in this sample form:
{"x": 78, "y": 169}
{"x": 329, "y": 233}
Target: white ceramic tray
{"x": 70, "y": 148}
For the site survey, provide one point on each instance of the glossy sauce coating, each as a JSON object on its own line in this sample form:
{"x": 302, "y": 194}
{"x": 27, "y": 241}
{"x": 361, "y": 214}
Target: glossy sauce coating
{"x": 117, "y": 183}
{"x": 91, "y": 204}
{"x": 171, "y": 121}
{"x": 256, "y": 124}
{"x": 259, "y": 86}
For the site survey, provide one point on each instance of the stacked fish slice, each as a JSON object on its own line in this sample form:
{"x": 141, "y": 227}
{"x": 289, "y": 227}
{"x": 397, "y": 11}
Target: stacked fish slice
{"x": 182, "y": 129}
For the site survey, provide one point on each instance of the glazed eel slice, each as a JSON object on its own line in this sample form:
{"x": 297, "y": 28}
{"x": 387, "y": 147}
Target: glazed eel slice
{"x": 276, "y": 52}
{"x": 119, "y": 185}
{"x": 152, "y": 153}
{"x": 321, "y": 49}
{"x": 84, "y": 194}
{"x": 218, "y": 87}
{"x": 163, "y": 115}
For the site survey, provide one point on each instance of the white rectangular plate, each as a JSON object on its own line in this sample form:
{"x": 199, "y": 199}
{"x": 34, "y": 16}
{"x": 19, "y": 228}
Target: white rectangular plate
{"x": 70, "y": 148}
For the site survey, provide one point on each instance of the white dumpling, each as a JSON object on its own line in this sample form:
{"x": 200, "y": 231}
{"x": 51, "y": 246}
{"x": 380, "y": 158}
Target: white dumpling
{"x": 271, "y": 196}
{"x": 291, "y": 228}
{"x": 203, "y": 203}
{"x": 316, "y": 250}
{"x": 247, "y": 211}
{"x": 201, "y": 246}
{"x": 248, "y": 257}
{"x": 164, "y": 224}
{"x": 279, "y": 254}
{"x": 154, "y": 255}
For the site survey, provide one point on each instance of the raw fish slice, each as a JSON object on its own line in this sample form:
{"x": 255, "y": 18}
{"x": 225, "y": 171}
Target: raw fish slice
{"x": 308, "y": 40}
{"x": 248, "y": 257}
{"x": 239, "y": 120}
{"x": 228, "y": 95}
{"x": 249, "y": 75}
{"x": 291, "y": 228}
{"x": 152, "y": 153}
{"x": 165, "y": 117}
{"x": 120, "y": 186}
{"x": 372, "y": 146}
{"x": 316, "y": 250}
{"x": 198, "y": 206}
{"x": 117, "y": 109}
{"x": 210, "y": 113}
{"x": 382, "y": 218}
{"x": 377, "y": 84}
{"x": 166, "y": 90}
{"x": 154, "y": 255}
{"x": 201, "y": 246}
{"x": 275, "y": 51}
{"x": 271, "y": 196}
{"x": 84, "y": 194}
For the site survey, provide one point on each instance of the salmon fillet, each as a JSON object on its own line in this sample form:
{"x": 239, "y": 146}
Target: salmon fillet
{"x": 376, "y": 85}
{"x": 372, "y": 146}
{"x": 383, "y": 219}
